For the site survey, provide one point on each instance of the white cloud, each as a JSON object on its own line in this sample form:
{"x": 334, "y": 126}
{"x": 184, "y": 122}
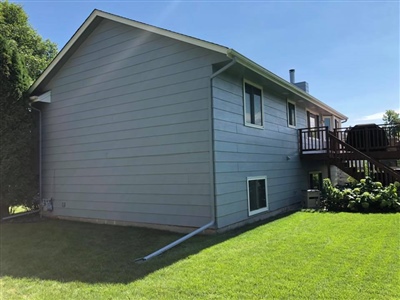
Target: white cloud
{"x": 372, "y": 117}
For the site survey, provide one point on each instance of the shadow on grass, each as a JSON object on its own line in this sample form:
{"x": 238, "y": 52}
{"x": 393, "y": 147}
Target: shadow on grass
{"x": 68, "y": 251}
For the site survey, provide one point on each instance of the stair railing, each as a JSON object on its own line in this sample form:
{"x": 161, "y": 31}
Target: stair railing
{"x": 341, "y": 152}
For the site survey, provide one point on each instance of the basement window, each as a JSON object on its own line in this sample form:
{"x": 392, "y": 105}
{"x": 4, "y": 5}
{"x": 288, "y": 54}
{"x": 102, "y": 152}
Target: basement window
{"x": 253, "y": 105}
{"x": 257, "y": 194}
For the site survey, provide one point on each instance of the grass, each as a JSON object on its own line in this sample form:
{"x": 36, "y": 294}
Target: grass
{"x": 302, "y": 256}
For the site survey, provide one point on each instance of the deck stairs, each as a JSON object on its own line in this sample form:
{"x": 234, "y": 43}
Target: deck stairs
{"x": 333, "y": 147}
{"x": 358, "y": 164}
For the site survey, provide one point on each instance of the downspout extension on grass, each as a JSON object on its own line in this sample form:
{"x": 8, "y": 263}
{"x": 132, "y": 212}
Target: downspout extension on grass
{"x": 20, "y": 215}
{"x": 208, "y": 225}
{"x": 173, "y": 244}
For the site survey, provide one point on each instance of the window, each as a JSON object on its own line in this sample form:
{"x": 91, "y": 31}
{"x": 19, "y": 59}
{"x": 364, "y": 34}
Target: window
{"x": 315, "y": 182}
{"x": 291, "y": 109}
{"x": 257, "y": 194}
{"x": 253, "y": 105}
{"x": 313, "y": 120}
{"x": 313, "y": 123}
{"x": 327, "y": 122}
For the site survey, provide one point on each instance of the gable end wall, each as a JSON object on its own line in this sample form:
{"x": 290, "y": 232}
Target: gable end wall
{"x": 127, "y": 135}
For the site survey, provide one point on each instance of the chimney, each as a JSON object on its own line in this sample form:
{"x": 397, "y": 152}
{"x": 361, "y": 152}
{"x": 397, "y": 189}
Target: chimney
{"x": 301, "y": 85}
{"x": 291, "y": 72}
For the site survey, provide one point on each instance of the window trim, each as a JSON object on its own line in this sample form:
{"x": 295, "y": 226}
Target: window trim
{"x": 245, "y": 81}
{"x": 288, "y": 113}
{"x": 260, "y": 210}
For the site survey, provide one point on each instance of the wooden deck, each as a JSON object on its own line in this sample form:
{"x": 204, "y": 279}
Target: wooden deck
{"x": 359, "y": 151}
{"x": 381, "y": 142}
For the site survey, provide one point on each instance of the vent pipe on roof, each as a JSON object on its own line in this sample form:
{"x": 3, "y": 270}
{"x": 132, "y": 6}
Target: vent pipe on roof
{"x": 291, "y": 73}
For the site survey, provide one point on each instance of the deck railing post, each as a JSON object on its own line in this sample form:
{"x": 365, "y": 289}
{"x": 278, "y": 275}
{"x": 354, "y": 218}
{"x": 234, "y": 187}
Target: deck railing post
{"x": 326, "y": 138}
{"x": 301, "y": 141}
{"x": 367, "y": 140}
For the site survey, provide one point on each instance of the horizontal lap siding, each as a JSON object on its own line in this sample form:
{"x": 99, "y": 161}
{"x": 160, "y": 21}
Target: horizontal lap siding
{"x": 242, "y": 151}
{"x": 126, "y": 136}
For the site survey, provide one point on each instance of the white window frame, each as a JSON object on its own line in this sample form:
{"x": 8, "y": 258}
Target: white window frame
{"x": 244, "y": 104}
{"x": 288, "y": 113}
{"x": 260, "y": 210}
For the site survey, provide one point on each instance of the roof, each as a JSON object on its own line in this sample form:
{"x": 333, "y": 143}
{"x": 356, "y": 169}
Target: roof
{"x": 97, "y": 15}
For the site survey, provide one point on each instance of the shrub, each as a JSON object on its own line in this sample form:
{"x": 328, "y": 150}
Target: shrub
{"x": 365, "y": 196}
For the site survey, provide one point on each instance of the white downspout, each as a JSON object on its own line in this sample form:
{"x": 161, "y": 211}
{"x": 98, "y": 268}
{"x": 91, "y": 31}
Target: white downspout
{"x": 208, "y": 225}
{"x": 215, "y": 74}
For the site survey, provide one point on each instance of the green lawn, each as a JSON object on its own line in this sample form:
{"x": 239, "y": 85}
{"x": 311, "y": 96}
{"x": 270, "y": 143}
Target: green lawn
{"x": 301, "y": 256}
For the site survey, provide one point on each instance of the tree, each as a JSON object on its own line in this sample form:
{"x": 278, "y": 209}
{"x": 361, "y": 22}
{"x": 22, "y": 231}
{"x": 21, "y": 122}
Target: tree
{"x": 23, "y": 56}
{"x": 391, "y": 117}
{"x": 36, "y": 52}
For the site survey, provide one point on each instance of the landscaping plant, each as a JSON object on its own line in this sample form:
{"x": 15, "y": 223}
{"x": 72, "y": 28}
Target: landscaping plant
{"x": 365, "y": 196}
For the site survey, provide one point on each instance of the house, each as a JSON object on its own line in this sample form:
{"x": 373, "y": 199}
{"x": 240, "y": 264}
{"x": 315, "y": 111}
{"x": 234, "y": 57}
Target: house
{"x": 145, "y": 126}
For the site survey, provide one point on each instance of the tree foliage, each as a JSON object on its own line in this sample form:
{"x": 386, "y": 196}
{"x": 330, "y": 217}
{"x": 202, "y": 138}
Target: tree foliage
{"x": 391, "y": 117}
{"x": 23, "y": 56}
{"x": 36, "y": 52}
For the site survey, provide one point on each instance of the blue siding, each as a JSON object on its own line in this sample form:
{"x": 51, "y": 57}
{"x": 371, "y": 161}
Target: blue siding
{"x": 242, "y": 151}
{"x": 127, "y": 136}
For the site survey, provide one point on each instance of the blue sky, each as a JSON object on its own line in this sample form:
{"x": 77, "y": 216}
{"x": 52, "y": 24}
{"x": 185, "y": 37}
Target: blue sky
{"x": 348, "y": 51}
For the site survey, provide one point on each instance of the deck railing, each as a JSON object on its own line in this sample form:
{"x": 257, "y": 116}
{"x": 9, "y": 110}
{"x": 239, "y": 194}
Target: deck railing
{"x": 363, "y": 138}
{"x": 358, "y": 164}
{"x": 368, "y": 138}
{"x": 313, "y": 140}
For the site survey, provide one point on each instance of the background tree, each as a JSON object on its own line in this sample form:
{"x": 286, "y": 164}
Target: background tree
{"x": 391, "y": 117}
{"x": 23, "y": 56}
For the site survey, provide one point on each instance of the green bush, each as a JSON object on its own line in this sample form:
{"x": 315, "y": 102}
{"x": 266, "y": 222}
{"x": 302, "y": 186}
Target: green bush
{"x": 365, "y": 196}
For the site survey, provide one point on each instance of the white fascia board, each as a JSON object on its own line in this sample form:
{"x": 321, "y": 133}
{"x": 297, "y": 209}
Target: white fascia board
{"x": 282, "y": 82}
{"x": 97, "y": 13}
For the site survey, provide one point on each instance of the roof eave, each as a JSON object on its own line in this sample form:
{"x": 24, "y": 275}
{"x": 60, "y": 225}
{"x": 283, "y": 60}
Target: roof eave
{"x": 282, "y": 82}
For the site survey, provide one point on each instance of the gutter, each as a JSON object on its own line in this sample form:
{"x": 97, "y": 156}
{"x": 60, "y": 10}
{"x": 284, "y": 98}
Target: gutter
{"x": 281, "y": 82}
{"x": 213, "y": 205}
